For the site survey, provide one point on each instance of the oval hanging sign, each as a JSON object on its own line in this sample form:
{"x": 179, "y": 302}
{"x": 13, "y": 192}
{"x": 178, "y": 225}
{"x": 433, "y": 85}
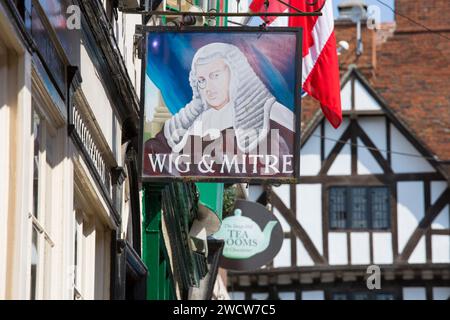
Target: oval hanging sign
{"x": 252, "y": 236}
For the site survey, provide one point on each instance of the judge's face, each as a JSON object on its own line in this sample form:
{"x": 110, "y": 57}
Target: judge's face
{"x": 213, "y": 81}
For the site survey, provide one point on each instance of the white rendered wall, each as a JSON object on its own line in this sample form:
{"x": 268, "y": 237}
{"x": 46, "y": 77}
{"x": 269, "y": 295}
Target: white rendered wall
{"x": 375, "y": 128}
{"x": 342, "y": 163}
{"x": 303, "y": 257}
{"x": 310, "y": 155}
{"x": 283, "y": 192}
{"x": 332, "y": 134}
{"x": 283, "y": 258}
{"x": 414, "y": 293}
{"x": 309, "y": 211}
{"x": 418, "y": 255}
{"x": 260, "y": 296}
{"x": 410, "y": 209}
{"x": 346, "y": 96}
{"x": 286, "y": 295}
{"x": 254, "y": 192}
{"x": 99, "y": 102}
{"x": 441, "y": 293}
{"x": 360, "y": 248}
{"x": 406, "y": 163}
{"x": 313, "y": 295}
{"x": 237, "y": 295}
{"x": 442, "y": 220}
{"x": 366, "y": 163}
{"x": 382, "y": 248}
{"x": 363, "y": 99}
{"x": 337, "y": 248}
{"x": 440, "y": 248}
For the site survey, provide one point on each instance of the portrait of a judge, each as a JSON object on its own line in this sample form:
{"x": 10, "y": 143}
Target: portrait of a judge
{"x": 232, "y": 126}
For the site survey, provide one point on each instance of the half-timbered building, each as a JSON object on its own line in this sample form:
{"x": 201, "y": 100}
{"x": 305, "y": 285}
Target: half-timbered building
{"x": 373, "y": 194}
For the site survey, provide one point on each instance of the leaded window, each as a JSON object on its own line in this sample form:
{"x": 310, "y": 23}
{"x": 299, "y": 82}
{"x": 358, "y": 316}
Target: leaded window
{"x": 359, "y": 208}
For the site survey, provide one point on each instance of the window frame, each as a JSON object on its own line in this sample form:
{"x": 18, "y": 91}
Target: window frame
{"x": 369, "y": 215}
{"x": 40, "y": 217}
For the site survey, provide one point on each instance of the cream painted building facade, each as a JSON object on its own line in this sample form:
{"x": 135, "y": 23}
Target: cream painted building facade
{"x": 69, "y": 202}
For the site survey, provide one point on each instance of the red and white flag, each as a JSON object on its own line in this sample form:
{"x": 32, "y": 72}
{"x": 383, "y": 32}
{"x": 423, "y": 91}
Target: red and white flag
{"x": 320, "y": 73}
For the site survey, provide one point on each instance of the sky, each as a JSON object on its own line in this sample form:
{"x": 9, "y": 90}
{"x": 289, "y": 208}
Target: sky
{"x": 386, "y": 14}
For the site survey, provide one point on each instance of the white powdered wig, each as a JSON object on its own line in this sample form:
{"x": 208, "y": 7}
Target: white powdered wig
{"x": 251, "y": 100}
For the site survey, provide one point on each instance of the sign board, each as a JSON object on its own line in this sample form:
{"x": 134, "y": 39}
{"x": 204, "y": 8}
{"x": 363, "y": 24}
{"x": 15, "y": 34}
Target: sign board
{"x": 252, "y": 236}
{"x": 221, "y": 104}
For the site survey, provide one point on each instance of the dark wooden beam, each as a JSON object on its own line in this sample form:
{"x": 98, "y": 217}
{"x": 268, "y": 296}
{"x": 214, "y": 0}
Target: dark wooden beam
{"x": 430, "y": 215}
{"x": 394, "y": 219}
{"x": 297, "y": 229}
{"x": 335, "y": 151}
{"x": 388, "y": 141}
{"x": 325, "y": 220}
{"x": 293, "y": 200}
{"x": 354, "y": 147}
{"x": 372, "y": 179}
{"x": 442, "y": 232}
{"x": 373, "y": 150}
{"x": 427, "y": 198}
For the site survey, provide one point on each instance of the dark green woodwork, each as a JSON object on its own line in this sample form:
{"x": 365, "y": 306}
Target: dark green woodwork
{"x": 179, "y": 204}
{"x": 159, "y": 279}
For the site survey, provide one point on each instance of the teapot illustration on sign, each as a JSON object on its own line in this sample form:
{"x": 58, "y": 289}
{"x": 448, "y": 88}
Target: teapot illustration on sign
{"x": 243, "y": 237}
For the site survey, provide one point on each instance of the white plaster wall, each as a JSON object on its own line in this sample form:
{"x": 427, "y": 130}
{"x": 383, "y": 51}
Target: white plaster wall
{"x": 283, "y": 192}
{"x": 437, "y": 188}
{"x": 310, "y": 155}
{"x": 237, "y": 295}
{"x": 283, "y": 258}
{"x": 346, "y": 96}
{"x": 375, "y": 128}
{"x": 366, "y": 163}
{"x": 410, "y": 209}
{"x": 442, "y": 220}
{"x": 382, "y": 248}
{"x": 260, "y": 296}
{"x": 414, "y": 293}
{"x": 303, "y": 257}
{"x": 406, "y": 163}
{"x": 342, "y": 163}
{"x": 360, "y": 247}
{"x": 337, "y": 248}
{"x": 440, "y": 248}
{"x": 441, "y": 293}
{"x": 309, "y": 211}
{"x": 98, "y": 100}
{"x": 332, "y": 134}
{"x": 419, "y": 253}
{"x": 313, "y": 295}
{"x": 286, "y": 295}
{"x": 363, "y": 99}
{"x": 254, "y": 192}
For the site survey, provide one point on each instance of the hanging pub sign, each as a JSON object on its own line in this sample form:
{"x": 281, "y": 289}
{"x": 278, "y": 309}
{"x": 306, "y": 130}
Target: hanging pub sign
{"x": 252, "y": 237}
{"x": 221, "y": 104}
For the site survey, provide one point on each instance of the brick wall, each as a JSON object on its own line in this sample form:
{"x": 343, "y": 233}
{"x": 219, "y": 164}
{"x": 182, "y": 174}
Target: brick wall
{"x": 435, "y": 14}
{"x": 346, "y": 30}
